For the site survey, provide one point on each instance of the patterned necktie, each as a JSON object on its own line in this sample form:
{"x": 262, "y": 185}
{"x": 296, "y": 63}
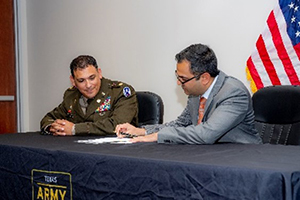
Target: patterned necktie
{"x": 201, "y": 109}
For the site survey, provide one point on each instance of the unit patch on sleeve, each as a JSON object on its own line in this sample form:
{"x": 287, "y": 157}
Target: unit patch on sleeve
{"x": 126, "y": 91}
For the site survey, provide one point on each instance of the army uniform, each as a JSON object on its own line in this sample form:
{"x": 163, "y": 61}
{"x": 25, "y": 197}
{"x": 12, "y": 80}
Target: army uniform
{"x": 115, "y": 103}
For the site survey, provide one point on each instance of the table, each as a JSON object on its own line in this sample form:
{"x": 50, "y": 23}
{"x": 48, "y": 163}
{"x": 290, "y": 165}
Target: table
{"x": 35, "y": 166}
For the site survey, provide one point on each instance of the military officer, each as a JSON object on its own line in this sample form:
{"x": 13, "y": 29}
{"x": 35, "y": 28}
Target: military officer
{"x": 94, "y": 105}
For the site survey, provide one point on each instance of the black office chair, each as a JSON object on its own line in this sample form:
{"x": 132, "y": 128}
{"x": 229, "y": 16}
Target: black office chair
{"x": 151, "y": 108}
{"x": 277, "y": 114}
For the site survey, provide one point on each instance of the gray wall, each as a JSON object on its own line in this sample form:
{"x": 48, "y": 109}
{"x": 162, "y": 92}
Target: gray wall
{"x": 133, "y": 40}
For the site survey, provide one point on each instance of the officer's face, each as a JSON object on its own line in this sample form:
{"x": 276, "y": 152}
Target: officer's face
{"x": 193, "y": 86}
{"x": 87, "y": 81}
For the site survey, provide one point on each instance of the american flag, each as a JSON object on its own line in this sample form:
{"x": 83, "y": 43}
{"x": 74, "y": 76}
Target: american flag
{"x": 276, "y": 58}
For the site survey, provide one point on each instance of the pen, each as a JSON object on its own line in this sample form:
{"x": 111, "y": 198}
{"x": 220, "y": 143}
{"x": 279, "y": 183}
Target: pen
{"x": 127, "y": 135}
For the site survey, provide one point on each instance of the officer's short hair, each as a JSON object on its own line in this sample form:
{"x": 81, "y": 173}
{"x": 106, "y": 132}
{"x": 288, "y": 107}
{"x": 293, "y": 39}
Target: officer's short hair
{"x": 82, "y": 62}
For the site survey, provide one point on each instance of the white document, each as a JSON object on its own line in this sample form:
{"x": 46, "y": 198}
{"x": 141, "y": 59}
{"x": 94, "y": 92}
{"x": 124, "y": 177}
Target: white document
{"x": 110, "y": 140}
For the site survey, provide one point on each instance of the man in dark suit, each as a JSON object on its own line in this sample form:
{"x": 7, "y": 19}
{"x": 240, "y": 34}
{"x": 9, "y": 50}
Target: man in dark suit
{"x": 94, "y": 105}
{"x": 219, "y": 107}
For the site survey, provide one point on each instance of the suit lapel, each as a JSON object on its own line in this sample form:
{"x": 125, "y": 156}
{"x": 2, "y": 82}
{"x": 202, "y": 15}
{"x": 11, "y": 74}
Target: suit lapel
{"x": 99, "y": 98}
{"x": 97, "y": 101}
{"x": 76, "y": 107}
{"x": 214, "y": 92}
{"x": 194, "y": 102}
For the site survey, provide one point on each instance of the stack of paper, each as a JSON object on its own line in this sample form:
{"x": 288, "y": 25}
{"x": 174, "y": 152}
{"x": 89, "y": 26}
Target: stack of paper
{"x": 111, "y": 140}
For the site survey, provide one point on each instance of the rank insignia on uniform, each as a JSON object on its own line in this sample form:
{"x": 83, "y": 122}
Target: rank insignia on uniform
{"x": 105, "y": 106}
{"x": 115, "y": 85}
{"x": 126, "y": 91}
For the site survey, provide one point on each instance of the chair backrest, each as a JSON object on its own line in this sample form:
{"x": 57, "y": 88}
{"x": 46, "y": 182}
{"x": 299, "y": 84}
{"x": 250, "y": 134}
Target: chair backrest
{"x": 277, "y": 114}
{"x": 151, "y": 108}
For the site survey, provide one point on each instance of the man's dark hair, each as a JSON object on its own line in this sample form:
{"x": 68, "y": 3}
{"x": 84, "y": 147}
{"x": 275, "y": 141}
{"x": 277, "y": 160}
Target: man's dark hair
{"x": 202, "y": 59}
{"x": 82, "y": 62}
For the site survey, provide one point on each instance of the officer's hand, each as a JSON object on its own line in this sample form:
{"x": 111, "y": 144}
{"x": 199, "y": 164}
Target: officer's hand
{"x": 56, "y": 127}
{"x": 123, "y": 130}
{"x": 61, "y": 127}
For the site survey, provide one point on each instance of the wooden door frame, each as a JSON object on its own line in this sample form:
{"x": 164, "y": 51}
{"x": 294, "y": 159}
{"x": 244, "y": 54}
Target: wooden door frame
{"x": 18, "y": 99}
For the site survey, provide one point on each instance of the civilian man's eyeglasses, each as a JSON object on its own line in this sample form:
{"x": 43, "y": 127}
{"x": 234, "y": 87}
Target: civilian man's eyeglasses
{"x": 183, "y": 80}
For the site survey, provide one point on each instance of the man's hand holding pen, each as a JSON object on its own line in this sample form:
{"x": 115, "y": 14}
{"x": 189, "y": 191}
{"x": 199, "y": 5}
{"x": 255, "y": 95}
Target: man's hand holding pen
{"x": 137, "y": 134}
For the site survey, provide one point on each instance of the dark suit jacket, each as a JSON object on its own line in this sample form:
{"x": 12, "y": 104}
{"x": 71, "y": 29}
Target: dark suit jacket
{"x": 228, "y": 117}
{"x": 110, "y": 107}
